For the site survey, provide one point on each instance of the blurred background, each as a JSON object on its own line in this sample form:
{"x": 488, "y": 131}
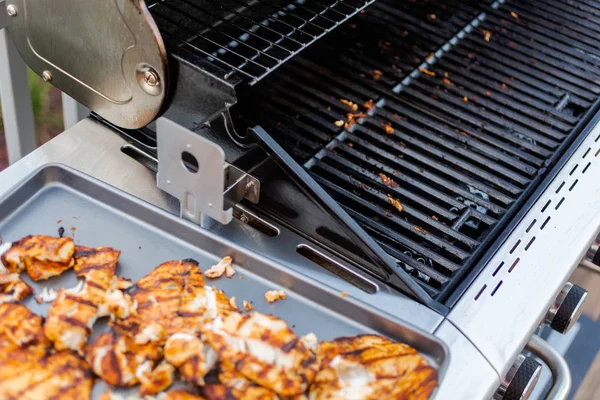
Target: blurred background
{"x": 47, "y": 110}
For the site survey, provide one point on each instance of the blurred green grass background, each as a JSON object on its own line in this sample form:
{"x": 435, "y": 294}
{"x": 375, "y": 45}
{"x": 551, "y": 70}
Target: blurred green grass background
{"x": 47, "y": 112}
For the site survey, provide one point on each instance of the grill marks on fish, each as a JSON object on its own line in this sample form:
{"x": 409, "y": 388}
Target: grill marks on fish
{"x": 28, "y": 367}
{"x": 173, "y": 306}
{"x": 73, "y": 314}
{"x": 265, "y": 351}
{"x": 171, "y": 321}
{"x": 41, "y": 256}
{"x": 371, "y": 367}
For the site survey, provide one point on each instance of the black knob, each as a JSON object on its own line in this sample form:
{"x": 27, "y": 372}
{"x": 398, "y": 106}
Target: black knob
{"x": 520, "y": 380}
{"x": 566, "y": 308}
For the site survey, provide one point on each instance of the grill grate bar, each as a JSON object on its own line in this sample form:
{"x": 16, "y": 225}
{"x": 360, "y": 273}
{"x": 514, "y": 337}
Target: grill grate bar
{"x": 252, "y": 38}
{"x": 508, "y": 97}
{"x": 463, "y": 144}
{"x": 497, "y": 149}
{"x": 545, "y": 136}
{"x": 381, "y": 189}
{"x": 425, "y": 161}
{"x": 517, "y": 111}
{"x": 496, "y": 127}
{"x": 582, "y": 31}
{"x": 529, "y": 64}
{"x": 447, "y": 149}
{"x": 413, "y": 175}
{"x": 228, "y": 36}
{"x": 173, "y": 36}
{"x": 578, "y": 12}
{"x": 457, "y": 167}
{"x": 546, "y": 31}
{"x": 525, "y": 87}
{"x": 409, "y": 230}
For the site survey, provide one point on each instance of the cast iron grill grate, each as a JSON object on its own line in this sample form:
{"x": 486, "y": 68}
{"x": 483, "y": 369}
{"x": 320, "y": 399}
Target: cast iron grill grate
{"x": 436, "y": 158}
{"x": 250, "y": 38}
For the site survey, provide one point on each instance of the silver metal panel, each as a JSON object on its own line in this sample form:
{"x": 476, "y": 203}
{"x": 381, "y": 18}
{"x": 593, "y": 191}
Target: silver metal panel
{"x": 94, "y": 149}
{"x": 469, "y": 375}
{"x": 199, "y": 191}
{"x": 17, "y": 111}
{"x": 511, "y": 296}
{"x": 108, "y": 55}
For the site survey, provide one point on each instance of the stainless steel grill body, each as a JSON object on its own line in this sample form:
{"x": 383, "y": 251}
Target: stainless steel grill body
{"x": 458, "y": 137}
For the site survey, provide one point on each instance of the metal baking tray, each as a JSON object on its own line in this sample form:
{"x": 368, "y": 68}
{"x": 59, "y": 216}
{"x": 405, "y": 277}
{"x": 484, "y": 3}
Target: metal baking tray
{"x": 96, "y": 214}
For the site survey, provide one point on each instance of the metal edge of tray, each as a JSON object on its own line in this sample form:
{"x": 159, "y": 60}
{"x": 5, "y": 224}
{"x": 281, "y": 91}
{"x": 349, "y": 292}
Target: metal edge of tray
{"x": 319, "y": 295}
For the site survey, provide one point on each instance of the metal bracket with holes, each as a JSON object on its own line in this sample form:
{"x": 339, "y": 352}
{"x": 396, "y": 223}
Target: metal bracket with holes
{"x": 193, "y": 169}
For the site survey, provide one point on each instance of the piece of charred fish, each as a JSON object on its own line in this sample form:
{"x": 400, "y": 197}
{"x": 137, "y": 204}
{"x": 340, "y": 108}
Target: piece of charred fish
{"x": 28, "y": 369}
{"x": 12, "y": 287}
{"x": 73, "y": 312}
{"x": 172, "y": 299}
{"x": 179, "y": 394}
{"x": 235, "y": 386}
{"x": 173, "y": 306}
{"x": 42, "y": 257}
{"x": 193, "y": 357}
{"x": 265, "y": 350}
{"x": 118, "y": 360}
{"x": 371, "y": 367}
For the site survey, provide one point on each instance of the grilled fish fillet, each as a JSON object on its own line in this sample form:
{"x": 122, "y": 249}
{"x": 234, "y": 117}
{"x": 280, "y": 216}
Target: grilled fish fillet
{"x": 117, "y": 358}
{"x": 371, "y": 367}
{"x": 236, "y": 386}
{"x": 265, "y": 350}
{"x": 28, "y": 370}
{"x": 172, "y": 299}
{"x": 95, "y": 259}
{"x": 70, "y": 321}
{"x": 20, "y": 328}
{"x": 73, "y": 313}
{"x": 61, "y": 375}
{"x": 173, "y": 306}
{"x": 99, "y": 265}
{"x": 155, "y": 380}
{"x": 191, "y": 355}
{"x": 42, "y": 257}
{"x": 179, "y": 394}
{"x": 12, "y": 287}
{"x": 223, "y": 392}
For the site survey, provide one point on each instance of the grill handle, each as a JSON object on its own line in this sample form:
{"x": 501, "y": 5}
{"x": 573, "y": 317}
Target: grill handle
{"x": 561, "y": 374}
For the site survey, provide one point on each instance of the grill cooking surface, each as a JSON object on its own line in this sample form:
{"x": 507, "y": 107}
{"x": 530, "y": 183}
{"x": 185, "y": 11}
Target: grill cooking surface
{"x": 433, "y": 151}
{"x": 249, "y": 37}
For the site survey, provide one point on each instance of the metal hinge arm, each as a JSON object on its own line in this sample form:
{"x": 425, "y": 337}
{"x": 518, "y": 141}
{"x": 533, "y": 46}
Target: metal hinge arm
{"x": 193, "y": 169}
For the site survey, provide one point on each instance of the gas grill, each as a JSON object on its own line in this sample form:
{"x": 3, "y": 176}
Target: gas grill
{"x": 433, "y": 159}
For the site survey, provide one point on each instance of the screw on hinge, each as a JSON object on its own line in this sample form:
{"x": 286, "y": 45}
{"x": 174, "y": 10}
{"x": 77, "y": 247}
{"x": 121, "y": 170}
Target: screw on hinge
{"x": 47, "y": 76}
{"x": 244, "y": 218}
{"x": 11, "y": 10}
{"x": 151, "y": 77}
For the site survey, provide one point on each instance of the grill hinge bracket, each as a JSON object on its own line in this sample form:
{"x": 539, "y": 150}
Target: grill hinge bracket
{"x": 193, "y": 169}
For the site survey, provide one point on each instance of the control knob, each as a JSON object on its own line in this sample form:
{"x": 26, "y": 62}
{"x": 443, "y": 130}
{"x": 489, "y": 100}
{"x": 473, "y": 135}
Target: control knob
{"x": 567, "y": 308}
{"x": 520, "y": 380}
